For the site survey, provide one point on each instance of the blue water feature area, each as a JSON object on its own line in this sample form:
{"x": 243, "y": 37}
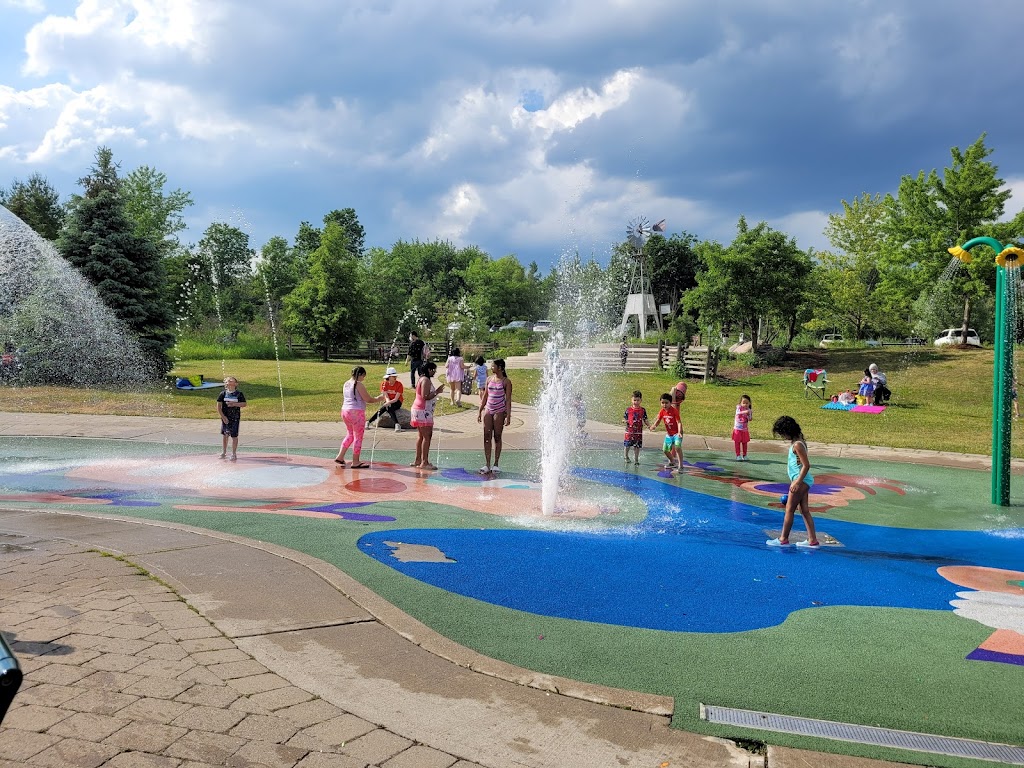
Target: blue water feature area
{"x": 696, "y": 563}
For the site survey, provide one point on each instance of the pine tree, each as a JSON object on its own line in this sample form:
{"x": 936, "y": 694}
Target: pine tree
{"x": 126, "y": 269}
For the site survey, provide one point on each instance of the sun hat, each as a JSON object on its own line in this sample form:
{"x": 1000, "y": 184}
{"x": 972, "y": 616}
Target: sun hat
{"x": 390, "y": 372}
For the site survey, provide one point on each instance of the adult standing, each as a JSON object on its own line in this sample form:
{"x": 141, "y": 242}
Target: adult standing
{"x": 455, "y": 373}
{"x": 495, "y": 413}
{"x": 353, "y": 413}
{"x": 882, "y": 393}
{"x": 415, "y": 356}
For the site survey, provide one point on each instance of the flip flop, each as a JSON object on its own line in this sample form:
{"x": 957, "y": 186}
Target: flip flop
{"x": 340, "y": 461}
{"x": 360, "y": 465}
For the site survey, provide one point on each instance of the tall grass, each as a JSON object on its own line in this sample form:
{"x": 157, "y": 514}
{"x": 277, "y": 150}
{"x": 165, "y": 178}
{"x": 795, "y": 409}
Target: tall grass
{"x": 211, "y": 345}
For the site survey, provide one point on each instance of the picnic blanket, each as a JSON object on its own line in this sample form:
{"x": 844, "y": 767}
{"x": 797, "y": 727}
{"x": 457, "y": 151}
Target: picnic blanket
{"x": 196, "y": 382}
{"x": 838, "y": 407}
{"x": 204, "y": 385}
{"x": 869, "y": 409}
{"x": 854, "y": 408}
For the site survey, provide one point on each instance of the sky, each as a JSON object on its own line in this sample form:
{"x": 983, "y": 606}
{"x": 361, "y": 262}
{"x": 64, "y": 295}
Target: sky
{"x": 535, "y": 128}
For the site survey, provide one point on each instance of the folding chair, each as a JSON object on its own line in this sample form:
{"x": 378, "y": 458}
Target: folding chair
{"x": 815, "y": 382}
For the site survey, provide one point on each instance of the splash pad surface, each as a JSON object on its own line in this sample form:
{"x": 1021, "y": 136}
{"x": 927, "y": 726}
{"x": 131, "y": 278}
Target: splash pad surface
{"x": 911, "y": 617}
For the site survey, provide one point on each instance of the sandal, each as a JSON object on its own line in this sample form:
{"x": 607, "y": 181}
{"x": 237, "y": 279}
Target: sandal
{"x": 415, "y": 465}
{"x": 341, "y": 462}
{"x": 361, "y": 465}
{"x": 429, "y": 467}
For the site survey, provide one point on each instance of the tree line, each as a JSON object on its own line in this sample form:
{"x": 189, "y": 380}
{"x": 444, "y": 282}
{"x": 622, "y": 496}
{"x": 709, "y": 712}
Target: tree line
{"x": 887, "y": 275}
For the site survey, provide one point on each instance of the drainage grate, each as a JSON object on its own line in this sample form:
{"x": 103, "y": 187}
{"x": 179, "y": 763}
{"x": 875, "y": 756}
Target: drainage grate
{"x": 865, "y": 734}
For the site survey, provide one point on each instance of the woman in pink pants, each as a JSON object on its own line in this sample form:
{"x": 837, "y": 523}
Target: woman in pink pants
{"x": 353, "y": 413}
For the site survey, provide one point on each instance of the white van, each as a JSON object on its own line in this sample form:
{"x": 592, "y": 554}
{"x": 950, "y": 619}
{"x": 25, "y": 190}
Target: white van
{"x": 952, "y": 336}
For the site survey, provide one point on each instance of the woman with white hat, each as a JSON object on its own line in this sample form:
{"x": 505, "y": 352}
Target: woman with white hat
{"x": 392, "y": 389}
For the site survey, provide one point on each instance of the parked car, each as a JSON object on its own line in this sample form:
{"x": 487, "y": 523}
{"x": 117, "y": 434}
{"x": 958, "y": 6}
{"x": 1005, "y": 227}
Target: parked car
{"x": 952, "y": 336}
{"x": 829, "y": 339}
{"x": 542, "y": 326}
{"x": 516, "y": 325}
{"x": 873, "y": 342}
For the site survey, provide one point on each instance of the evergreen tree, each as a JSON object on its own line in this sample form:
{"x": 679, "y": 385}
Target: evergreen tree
{"x": 36, "y": 203}
{"x": 99, "y": 240}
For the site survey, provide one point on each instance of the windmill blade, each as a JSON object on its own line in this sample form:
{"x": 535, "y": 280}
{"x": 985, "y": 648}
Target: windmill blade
{"x": 659, "y": 227}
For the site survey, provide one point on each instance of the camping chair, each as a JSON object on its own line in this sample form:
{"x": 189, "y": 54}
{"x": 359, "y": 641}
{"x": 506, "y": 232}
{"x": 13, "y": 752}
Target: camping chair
{"x": 815, "y": 381}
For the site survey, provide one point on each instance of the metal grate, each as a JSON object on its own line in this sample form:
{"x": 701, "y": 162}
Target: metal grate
{"x": 865, "y": 734}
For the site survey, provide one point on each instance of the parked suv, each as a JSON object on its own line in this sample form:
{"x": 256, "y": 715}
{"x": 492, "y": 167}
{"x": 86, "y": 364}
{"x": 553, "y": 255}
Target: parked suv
{"x": 542, "y": 326}
{"x": 830, "y": 338}
{"x": 952, "y": 336}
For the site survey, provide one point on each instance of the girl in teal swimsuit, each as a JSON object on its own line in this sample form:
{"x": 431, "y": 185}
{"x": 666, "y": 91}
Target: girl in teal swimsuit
{"x": 800, "y": 481}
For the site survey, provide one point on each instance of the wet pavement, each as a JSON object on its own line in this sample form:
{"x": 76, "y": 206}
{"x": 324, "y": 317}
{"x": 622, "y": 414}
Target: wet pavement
{"x": 191, "y": 647}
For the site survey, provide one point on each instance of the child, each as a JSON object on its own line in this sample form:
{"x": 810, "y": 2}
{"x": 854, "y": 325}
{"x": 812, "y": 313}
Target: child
{"x": 867, "y": 387}
{"x": 673, "y": 446}
{"x": 847, "y": 397}
{"x": 800, "y": 482}
{"x": 623, "y": 353}
{"x": 229, "y": 406}
{"x": 481, "y": 374}
{"x": 740, "y": 428}
{"x": 635, "y": 418}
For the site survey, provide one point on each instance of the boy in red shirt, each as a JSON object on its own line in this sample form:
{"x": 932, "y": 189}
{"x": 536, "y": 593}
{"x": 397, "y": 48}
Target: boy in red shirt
{"x": 673, "y": 446}
{"x": 636, "y": 419}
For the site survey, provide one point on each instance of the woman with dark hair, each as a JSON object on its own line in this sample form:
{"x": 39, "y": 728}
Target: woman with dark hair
{"x": 353, "y": 413}
{"x": 495, "y": 413}
{"x": 423, "y": 414}
{"x": 800, "y": 482}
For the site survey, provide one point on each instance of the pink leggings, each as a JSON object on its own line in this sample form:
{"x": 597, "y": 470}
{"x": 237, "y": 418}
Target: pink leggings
{"x": 355, "y": 423}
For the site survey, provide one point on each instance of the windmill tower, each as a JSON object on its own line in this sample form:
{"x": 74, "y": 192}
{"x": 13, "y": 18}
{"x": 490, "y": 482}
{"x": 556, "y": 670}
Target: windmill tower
{"x": 640, "y": 299}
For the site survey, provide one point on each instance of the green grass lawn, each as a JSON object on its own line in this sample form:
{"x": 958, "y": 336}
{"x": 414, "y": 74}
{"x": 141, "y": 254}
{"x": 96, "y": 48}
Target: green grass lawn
{"x": 942, "y": 397}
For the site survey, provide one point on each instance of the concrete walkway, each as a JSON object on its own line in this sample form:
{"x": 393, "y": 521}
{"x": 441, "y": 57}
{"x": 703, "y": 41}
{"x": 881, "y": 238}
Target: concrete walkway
{"x": 196, "y": 648}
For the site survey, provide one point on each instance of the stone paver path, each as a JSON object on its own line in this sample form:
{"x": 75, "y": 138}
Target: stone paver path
{"x": 120, "y": 672}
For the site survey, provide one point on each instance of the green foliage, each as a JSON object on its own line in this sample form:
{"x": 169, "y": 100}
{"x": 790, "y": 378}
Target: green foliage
{"x": 155, "y": 215}
{"x": 325, "y": 306}
{"x": 99, "y": 240}
{"x": 36, "y": 203}
{"x": 761, "y": 274}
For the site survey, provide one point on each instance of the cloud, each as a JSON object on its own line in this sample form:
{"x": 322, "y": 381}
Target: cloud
{"x": 520, "y": 125}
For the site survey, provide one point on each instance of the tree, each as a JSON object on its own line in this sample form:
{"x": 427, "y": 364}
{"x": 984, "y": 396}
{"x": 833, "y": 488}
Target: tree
{"x": 225, "y": 250}
{"x": 99, "y": 240}
{"x": 850, "y": 290}
{"x": 277, "y": 267}
{"x": 932, "y": 213}
{"x": 674, "y": 266}
{"x": 346, "y": 218}
{"x": 156, "y": 215}
{"x": 36, "y": 203}
{"x": 762, "y": 274}
{"x": 325, "y": 307}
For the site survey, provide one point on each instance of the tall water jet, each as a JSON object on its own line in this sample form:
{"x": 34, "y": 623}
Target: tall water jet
{"x": 579, "y": 318}
{"x": 54, "y": 319}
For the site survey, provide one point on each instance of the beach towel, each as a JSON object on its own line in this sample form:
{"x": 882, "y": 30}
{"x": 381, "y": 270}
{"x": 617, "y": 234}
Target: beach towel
{"x": 868, "y": 409}
{"x": 838, "y": 407}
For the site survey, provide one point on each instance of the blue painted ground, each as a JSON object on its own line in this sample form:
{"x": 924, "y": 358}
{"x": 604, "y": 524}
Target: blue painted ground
{"x": 697, "y": 563}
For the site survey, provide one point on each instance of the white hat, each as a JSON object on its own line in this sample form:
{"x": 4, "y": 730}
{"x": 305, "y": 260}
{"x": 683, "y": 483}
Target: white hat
{"x": 390, "y": 372}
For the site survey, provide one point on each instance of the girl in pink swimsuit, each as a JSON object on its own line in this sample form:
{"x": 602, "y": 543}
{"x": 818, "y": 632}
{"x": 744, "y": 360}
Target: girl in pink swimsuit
{"x": 423, "y": 414}
{"x": 495, "y": 413}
